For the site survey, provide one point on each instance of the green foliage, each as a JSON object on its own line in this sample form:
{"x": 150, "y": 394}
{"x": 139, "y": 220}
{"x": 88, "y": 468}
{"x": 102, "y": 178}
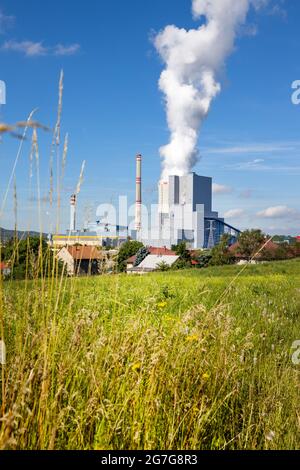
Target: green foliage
{"x": 29, "y": 258}
{"x": 167, "y": 292}
{"x": 141, "y": 255}
{"x": 282, "y": 252}
{"x": 250, "y": 241}
{"x": 284, "y": 238}
{"x": 181, "y": 264}
{"x": 220, "y": 254}
{"x": 163, "y": 266}
{"x": 128, "y": 249}
{"x": 182, "y": 251}
{"x": 203, "y": 260}
{"x": 185, "y": 258}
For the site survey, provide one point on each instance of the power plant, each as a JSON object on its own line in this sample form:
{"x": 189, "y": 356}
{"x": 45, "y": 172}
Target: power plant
{"x": 184, "y": 213}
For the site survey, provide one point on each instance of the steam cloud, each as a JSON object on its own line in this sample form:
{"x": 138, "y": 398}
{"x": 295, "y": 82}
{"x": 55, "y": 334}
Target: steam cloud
{"x": 193, "y": 59}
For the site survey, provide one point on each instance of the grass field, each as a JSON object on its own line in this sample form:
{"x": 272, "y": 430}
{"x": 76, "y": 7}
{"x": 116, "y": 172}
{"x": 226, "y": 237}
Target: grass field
{"x": 162, "y": 361}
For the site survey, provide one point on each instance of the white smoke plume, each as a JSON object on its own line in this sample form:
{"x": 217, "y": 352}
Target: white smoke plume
{"x": 193, "y": 60}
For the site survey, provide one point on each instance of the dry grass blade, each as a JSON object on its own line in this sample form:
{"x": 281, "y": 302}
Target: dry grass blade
{"x": 65, "y": 153}
{"x": 80, "y": 181}
{"x": 15, "y": 163}
{"x": 59, "y": 110}
{"x": 5, "y": 128}
{"x": 33, "y": 124}
{"x": 56, "y": 141}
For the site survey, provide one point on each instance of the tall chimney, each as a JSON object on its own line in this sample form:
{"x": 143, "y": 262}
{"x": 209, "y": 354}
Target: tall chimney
{"x": 138, "y": 206}
{"x": 73, "y": 213}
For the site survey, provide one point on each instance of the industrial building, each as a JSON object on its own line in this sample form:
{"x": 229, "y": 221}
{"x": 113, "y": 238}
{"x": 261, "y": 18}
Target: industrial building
{"x": 184, "y": 214}
{"x": 96, "y": 234}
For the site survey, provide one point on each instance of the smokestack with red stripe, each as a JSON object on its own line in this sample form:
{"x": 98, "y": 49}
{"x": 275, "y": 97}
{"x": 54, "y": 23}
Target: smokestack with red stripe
{"x": 138, "y": 206}
{"x": 73, "y": 213}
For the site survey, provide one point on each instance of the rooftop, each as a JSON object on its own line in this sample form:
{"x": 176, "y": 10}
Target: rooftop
{"x": 84, "y": 252}
{"x": 152, "y": 261}
{"x": 4, "y": 266}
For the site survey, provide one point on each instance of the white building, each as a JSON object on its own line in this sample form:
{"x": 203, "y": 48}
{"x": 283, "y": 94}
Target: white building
{"x": 185, "y": 213}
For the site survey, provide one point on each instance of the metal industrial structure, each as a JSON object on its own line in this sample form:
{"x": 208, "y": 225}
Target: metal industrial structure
{"x": 73, "y": 213}
{"x": 138, "y": 200}
{"x": 185, "y": 213}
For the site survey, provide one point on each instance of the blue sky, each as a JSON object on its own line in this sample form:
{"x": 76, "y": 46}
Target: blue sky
{"x": 112, "y": 108}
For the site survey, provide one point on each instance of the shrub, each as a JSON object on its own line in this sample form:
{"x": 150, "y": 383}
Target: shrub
{"x": 220, "y": 254}
{"x": 128, "y": 249}
{"x": 141, "y": 255}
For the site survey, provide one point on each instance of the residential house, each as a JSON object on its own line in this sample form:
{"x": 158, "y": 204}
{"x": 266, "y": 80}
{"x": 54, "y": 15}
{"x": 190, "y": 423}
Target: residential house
{"x": 80, "y": 260}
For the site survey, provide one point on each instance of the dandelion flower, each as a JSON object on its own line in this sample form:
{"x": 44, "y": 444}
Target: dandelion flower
{"x": 162, "y": 304}
{"x": 192, "y": 338}
{"x": 136, "y": 367}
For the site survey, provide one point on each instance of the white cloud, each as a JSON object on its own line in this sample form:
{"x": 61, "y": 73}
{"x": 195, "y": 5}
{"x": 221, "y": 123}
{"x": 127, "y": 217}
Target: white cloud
{"x": 257, "y": 148}
{"x": 246, "y": 193}
{"x": 36, "y": 49}
{"x": 278, "y": 10}
{"x": 261, "y": 165}
{"x": 249, "y": 30}
{"x": 29, "y": 48}
{"x": 62, "y": 50}
{"x": 258, "y": 4}
{"x": 221, "y": 189}
{"x": 5, "y": 22}
{"x": 234, "y": 213}
{"x": 277, "y": 212}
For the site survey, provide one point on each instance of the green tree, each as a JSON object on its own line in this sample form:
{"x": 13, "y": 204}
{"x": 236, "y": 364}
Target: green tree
{"x": 128, "y": 249}
{"x": 163, "y": 266}
{"x": 185, "y": 258}
{"x": 220, "y": 254}
{"x": 30, "y": 258}
{"x": 141, "y": 255}
{"x": 203, "y": 260}
{"x": 250, "y": 242}
{"x": 281, "y": 252}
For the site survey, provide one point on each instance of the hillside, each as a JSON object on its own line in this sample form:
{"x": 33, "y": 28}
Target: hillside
{"x": 6, "y": 235}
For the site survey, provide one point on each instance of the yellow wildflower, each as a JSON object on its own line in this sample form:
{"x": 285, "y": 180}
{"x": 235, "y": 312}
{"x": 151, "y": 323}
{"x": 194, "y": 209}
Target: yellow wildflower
{"x": 192, "y": 338}
{"x": 205, "y": 376}
{"x": 136, "y": 367}
{"x": 162, "y": 304}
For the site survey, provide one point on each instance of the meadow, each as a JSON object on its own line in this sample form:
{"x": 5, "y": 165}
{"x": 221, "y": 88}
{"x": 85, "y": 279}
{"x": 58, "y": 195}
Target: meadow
{"x": 195, "y": 359}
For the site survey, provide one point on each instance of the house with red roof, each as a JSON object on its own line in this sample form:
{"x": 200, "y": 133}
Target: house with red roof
{"x": 80, "y": 260}
{"x": 163, "y": 251}
{"x": 5, "y": 269}
{"x": 268, "y": 251}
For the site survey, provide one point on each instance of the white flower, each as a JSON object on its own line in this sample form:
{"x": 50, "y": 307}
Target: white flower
{"x": 270, "y": 436}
